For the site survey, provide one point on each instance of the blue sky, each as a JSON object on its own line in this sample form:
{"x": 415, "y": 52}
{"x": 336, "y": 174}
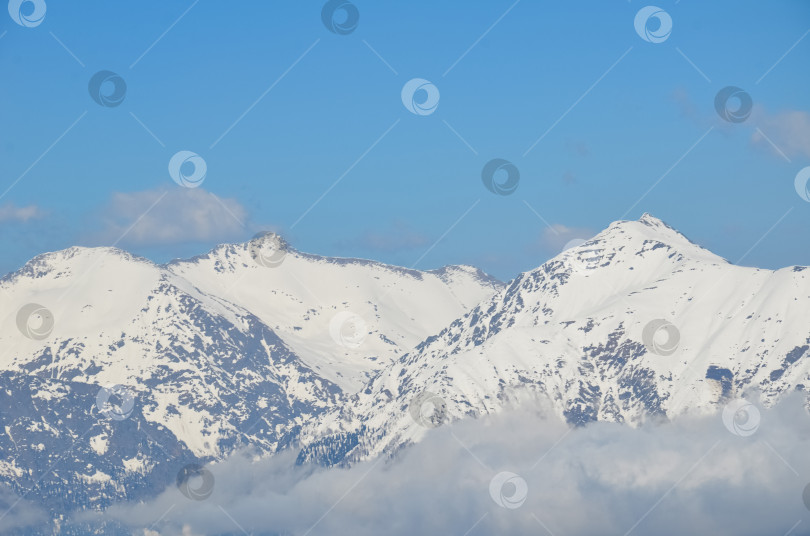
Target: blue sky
{"x": 284, "y": 111}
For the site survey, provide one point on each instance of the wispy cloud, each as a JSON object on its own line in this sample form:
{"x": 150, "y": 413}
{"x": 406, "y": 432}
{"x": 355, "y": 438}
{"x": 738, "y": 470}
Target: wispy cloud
{"x": 569, "y": 177}
{"x": 781, "y": 134}
{"x": 16, "y": 513}
{"x": 686, "y": 105}
{"x": 158, "y": 217}
{"x": 578, "y": 147}
{"x": 788, "y": 132}
{"x": 12, "y": 213}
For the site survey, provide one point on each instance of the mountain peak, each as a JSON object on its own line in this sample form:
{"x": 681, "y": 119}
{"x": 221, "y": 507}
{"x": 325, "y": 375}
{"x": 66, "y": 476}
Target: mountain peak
{"x": 631, "y": 250}
{"x": 660, "y": 225}
{"x": 649, "y": 219}
{"x": 648, "y": 230}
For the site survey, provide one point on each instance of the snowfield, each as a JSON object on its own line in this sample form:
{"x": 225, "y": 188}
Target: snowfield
{"x": 124, "y": 371}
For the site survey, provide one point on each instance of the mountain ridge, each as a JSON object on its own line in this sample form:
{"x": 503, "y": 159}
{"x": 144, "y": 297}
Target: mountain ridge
{"x": 270, "y": 349}
{"x": 574, "y": 329}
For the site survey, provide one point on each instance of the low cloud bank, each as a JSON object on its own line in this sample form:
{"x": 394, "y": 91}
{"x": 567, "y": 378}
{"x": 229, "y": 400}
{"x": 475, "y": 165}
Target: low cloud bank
{"x": 520, "y": 472}
{"x": 17, "y": 513}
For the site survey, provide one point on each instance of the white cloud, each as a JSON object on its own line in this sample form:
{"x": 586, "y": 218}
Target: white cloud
{"x": 784, "y": 133}
{"x": 11, "y": 212}
{"x": 788, "y": 132}
{"x": 690, "y": 476}
{"x": 19, "y": 512}
{"x": 155, "y": 217}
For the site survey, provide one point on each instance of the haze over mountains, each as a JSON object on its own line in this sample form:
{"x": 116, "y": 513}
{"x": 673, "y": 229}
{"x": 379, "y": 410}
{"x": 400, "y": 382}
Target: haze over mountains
{"x": 260, "y": 346}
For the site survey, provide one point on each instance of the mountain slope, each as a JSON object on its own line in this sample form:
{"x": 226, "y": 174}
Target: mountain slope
{"x": 239, "y": 348}
{"x": 574, "y": 330}
{"x": 122, "y": 320}
{"x": 199, "y": 374}
{"x": 206, "y": 373}
{"x": 345, "y": 318}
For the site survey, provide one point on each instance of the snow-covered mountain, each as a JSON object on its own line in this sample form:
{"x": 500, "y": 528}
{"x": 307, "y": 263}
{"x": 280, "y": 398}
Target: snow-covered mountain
{"x": 636, "y": 322}
{"x": 117, "y": 372}
{"x": 373, "y": 311}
